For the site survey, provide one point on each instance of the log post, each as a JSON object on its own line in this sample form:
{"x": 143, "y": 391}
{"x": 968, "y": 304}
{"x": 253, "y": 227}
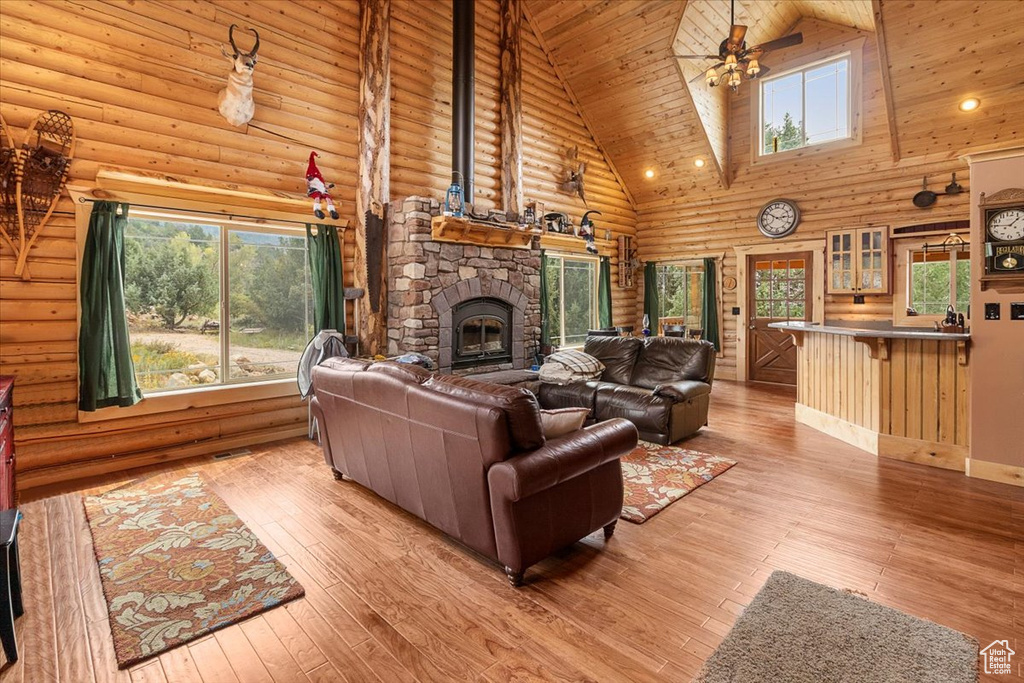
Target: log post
{"x": 511, "y": 88}
{"x": 373, "y": 189}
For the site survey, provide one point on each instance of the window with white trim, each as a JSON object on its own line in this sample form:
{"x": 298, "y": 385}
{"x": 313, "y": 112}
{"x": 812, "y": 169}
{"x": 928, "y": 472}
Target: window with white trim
{"x": 806, "y": 106}
{"x": 213, "y": 303}
{"x": 572, "y": 298}
{"x": 930, "y": 280}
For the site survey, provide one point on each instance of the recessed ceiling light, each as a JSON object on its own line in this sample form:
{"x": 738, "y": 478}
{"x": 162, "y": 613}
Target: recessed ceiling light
{"x": 970, "y": 104}
{"x": 649, "y": 173}
{"x": 698, "y": 162}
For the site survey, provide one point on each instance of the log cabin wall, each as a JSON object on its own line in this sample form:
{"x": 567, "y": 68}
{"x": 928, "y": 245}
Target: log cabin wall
{"x": 856, "y": 186}
{"x": 421, "y": 125}
{"x": 141, "y": 82}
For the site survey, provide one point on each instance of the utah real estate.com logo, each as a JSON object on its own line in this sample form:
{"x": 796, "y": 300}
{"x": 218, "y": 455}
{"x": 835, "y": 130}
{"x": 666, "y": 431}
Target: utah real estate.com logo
{"x": 997, "y": 657}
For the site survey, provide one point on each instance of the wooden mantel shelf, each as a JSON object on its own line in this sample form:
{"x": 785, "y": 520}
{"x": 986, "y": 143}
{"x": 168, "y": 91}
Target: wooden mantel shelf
{"x": 466, "y": 231}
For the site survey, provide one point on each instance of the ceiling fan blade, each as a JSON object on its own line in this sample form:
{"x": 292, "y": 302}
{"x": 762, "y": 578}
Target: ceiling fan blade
{"x": 764, "y": 71}
{"x": 736, "y": 35}
{"x": 697, "y": 57}
{"x": 779, "y": 43}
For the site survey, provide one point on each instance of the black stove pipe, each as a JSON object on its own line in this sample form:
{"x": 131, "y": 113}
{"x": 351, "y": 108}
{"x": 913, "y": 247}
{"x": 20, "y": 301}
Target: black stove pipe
{"x": 463, "y": 85}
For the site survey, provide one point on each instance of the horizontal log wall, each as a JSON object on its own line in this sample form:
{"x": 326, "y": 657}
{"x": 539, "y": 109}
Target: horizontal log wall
{"x": 141, "y": 80}
{"x": 421, "y": 120}
{"x": 836, "y": 188}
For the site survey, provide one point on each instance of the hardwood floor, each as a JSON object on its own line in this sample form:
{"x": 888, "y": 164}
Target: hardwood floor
{"x": 389, "y": 598}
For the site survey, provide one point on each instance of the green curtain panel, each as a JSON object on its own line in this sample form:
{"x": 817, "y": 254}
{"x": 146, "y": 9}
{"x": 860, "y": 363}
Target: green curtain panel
{"x": 324, "y": 250}
{"x": 709, "y": 308}
{"x": 651, "y": 294}
{"x": 545, "y": 335}
{"x": 604, "y": 293}
{"x": 106, "y": 372}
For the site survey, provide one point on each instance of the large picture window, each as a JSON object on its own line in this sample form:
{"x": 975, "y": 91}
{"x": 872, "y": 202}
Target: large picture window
{"x": 211, "y": 303}
{"x": 930, "y": 280}
{"x": 680, "y": 294}
{"x": 572, "y": 298}
{"x": 807, "y": 106}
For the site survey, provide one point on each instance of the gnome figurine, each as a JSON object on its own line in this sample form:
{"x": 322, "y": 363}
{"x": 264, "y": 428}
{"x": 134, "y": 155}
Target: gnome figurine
{"x": 318, "y": 189}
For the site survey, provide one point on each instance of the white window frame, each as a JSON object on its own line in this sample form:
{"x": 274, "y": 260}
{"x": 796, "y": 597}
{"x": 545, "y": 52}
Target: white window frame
{"x": 562, "y": 256}
{"x": 852, "y": 51}
{"x": 225, "y": 228}
{"x": 904, "y": 248}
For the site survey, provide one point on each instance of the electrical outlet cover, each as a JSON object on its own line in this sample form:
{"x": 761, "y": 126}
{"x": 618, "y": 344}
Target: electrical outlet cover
{"x": 1017, "y": 310}
{"x": 992, "y": 310}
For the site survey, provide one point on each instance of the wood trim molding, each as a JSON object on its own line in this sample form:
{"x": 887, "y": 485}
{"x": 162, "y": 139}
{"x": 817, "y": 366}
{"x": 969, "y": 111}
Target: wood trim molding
{"x": 855, "y": 435}
{"x": 994, "y": 471}
{"x": 816, "y": 247}
{"x": 883, "y": 67}
{"x": 576, "y": 103}
{"x": 944, "y": 455}
{"x": 510, "y": 14}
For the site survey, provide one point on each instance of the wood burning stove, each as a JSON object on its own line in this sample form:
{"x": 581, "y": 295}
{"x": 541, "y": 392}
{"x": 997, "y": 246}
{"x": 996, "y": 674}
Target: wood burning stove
{"x": 481, "y": 332}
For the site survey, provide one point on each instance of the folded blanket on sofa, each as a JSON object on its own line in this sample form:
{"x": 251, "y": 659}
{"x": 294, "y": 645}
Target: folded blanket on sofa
{"x": 570, "y": 365}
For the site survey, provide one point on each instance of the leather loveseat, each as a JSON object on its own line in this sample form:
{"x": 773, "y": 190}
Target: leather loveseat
{"x": 660, "y": 384}
{"x": 470, "y": 458}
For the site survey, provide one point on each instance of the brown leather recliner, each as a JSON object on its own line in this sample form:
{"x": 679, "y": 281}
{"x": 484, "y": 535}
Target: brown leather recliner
{"x": 660, "y": 384}
{"x": 470, "y": 458}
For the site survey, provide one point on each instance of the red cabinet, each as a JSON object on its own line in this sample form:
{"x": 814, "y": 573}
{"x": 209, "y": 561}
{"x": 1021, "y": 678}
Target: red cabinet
{"x": 6, "y": 443}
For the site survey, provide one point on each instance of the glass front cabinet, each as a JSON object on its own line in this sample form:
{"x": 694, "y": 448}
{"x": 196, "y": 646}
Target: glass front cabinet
{"x": 858, "y": 260}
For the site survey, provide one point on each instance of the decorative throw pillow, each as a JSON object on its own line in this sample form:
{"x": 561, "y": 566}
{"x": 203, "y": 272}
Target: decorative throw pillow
{"x": 560, "y": 422}
{"x": 570, "y": 365}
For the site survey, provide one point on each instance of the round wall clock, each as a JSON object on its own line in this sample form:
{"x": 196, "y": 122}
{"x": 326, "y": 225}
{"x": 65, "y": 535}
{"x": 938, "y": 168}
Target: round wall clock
{"x": 1005, "y": 225}
{"x": 778, "y": 218}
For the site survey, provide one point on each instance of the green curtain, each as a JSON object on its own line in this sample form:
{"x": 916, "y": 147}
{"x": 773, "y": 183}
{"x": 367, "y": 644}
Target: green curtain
{"x": 651, "y": 294}
{"x": 709, "y": 307}
{"x": 106, "y": 373}
{"x": 545, "y": 336}
{"x": 324, "y": 249}
{"x": 604, "y": 293}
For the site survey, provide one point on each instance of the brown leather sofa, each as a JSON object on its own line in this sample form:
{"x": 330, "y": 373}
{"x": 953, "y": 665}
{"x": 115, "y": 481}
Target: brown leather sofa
{"x": 660, "y": 384}
{"x": 470, "y": 458}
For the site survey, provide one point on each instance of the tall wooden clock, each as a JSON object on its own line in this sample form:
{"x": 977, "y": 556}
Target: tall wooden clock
{"x": 1003, "y": 216}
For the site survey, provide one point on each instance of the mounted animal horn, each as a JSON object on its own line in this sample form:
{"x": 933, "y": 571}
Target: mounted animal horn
{"x": 235, "y": 101}
{"x": 255, "y": 47}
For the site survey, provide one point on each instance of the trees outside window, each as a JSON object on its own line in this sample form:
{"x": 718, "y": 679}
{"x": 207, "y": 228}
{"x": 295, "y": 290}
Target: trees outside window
{"x": 806, "y": 106}
{"x": 681, "y": 293}
{"x": 209, "y": 304}
{"x": 572, "y": 298}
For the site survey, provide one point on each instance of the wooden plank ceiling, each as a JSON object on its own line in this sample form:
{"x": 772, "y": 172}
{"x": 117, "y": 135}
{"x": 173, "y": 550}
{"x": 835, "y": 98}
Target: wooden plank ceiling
{"x": 618, "y": 57}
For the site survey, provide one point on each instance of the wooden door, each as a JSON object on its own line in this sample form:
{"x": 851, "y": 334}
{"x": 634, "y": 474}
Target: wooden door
{"x": 778, "y": 288}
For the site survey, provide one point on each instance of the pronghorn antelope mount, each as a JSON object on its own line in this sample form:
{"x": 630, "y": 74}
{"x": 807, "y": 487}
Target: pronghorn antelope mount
{"x": 235, "y": 101}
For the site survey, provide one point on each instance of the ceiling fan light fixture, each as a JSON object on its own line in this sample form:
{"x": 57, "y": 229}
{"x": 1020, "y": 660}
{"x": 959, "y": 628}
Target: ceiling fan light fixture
{"x": 734, "y": 80}
{"x": 970, "y": 104}
{"x": 753, "y": 69}
{"x": 730, "y": 63}
{"x": 711, "y": 78}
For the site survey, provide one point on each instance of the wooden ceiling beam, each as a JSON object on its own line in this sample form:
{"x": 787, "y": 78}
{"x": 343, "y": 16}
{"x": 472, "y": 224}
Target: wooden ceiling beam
{"x": 883, "y": 66}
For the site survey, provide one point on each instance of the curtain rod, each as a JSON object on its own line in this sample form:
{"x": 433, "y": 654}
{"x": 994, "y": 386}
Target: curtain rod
{"x": 226, "y": 216}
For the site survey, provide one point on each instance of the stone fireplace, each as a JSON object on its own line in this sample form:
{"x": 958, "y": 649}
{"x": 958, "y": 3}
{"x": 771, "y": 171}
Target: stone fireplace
{"x": 468, "y": 308}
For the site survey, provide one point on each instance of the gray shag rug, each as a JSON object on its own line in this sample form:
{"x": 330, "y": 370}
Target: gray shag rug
{"x": 799, "y": 631}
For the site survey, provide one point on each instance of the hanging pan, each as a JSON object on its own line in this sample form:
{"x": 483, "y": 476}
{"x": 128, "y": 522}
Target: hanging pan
{"x": 925, "y": 197}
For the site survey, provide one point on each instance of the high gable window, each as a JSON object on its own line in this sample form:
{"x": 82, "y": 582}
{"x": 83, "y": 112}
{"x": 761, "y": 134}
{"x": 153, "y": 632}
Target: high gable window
{"x": 807, "y": 106}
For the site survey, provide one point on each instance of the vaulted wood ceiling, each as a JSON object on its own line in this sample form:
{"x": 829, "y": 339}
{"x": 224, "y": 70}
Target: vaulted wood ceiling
{"x": 618, "y": 57}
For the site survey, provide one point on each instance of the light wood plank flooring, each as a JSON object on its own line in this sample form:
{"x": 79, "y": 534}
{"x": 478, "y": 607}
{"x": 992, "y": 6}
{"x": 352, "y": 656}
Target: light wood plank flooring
{"x": 389, "y": 598}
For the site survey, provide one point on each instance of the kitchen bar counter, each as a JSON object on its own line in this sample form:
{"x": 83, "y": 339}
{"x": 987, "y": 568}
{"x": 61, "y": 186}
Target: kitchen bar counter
{"x": 879, "y": 333}
{"x": 897, "y": 393}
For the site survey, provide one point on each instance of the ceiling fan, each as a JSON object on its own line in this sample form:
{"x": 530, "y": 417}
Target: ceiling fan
{"x": 738, "y": 59}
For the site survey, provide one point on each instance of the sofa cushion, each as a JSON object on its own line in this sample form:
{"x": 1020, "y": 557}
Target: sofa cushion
{"x": 405, "y": 371}
{"x": 561, "y": 421}
{"x": 520, "y": 406}
{"x": 649, "y": 413}
{"x": 618, "y": 354}
{"x": 664, "y": 360}
{"x": 570, "y": 365}
{"x": 574, "y": 395}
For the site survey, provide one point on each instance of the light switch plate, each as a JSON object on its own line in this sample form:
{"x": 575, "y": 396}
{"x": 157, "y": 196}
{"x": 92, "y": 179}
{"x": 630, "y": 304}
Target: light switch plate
{"x": 735, "y": 310}
{"x": 1017, "y": 310}
{"x": 992, "y": 311}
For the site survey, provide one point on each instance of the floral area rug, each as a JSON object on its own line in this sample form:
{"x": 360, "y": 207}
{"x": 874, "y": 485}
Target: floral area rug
{"x": 655, "y": 476}
{"x": 176, "y": 563}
